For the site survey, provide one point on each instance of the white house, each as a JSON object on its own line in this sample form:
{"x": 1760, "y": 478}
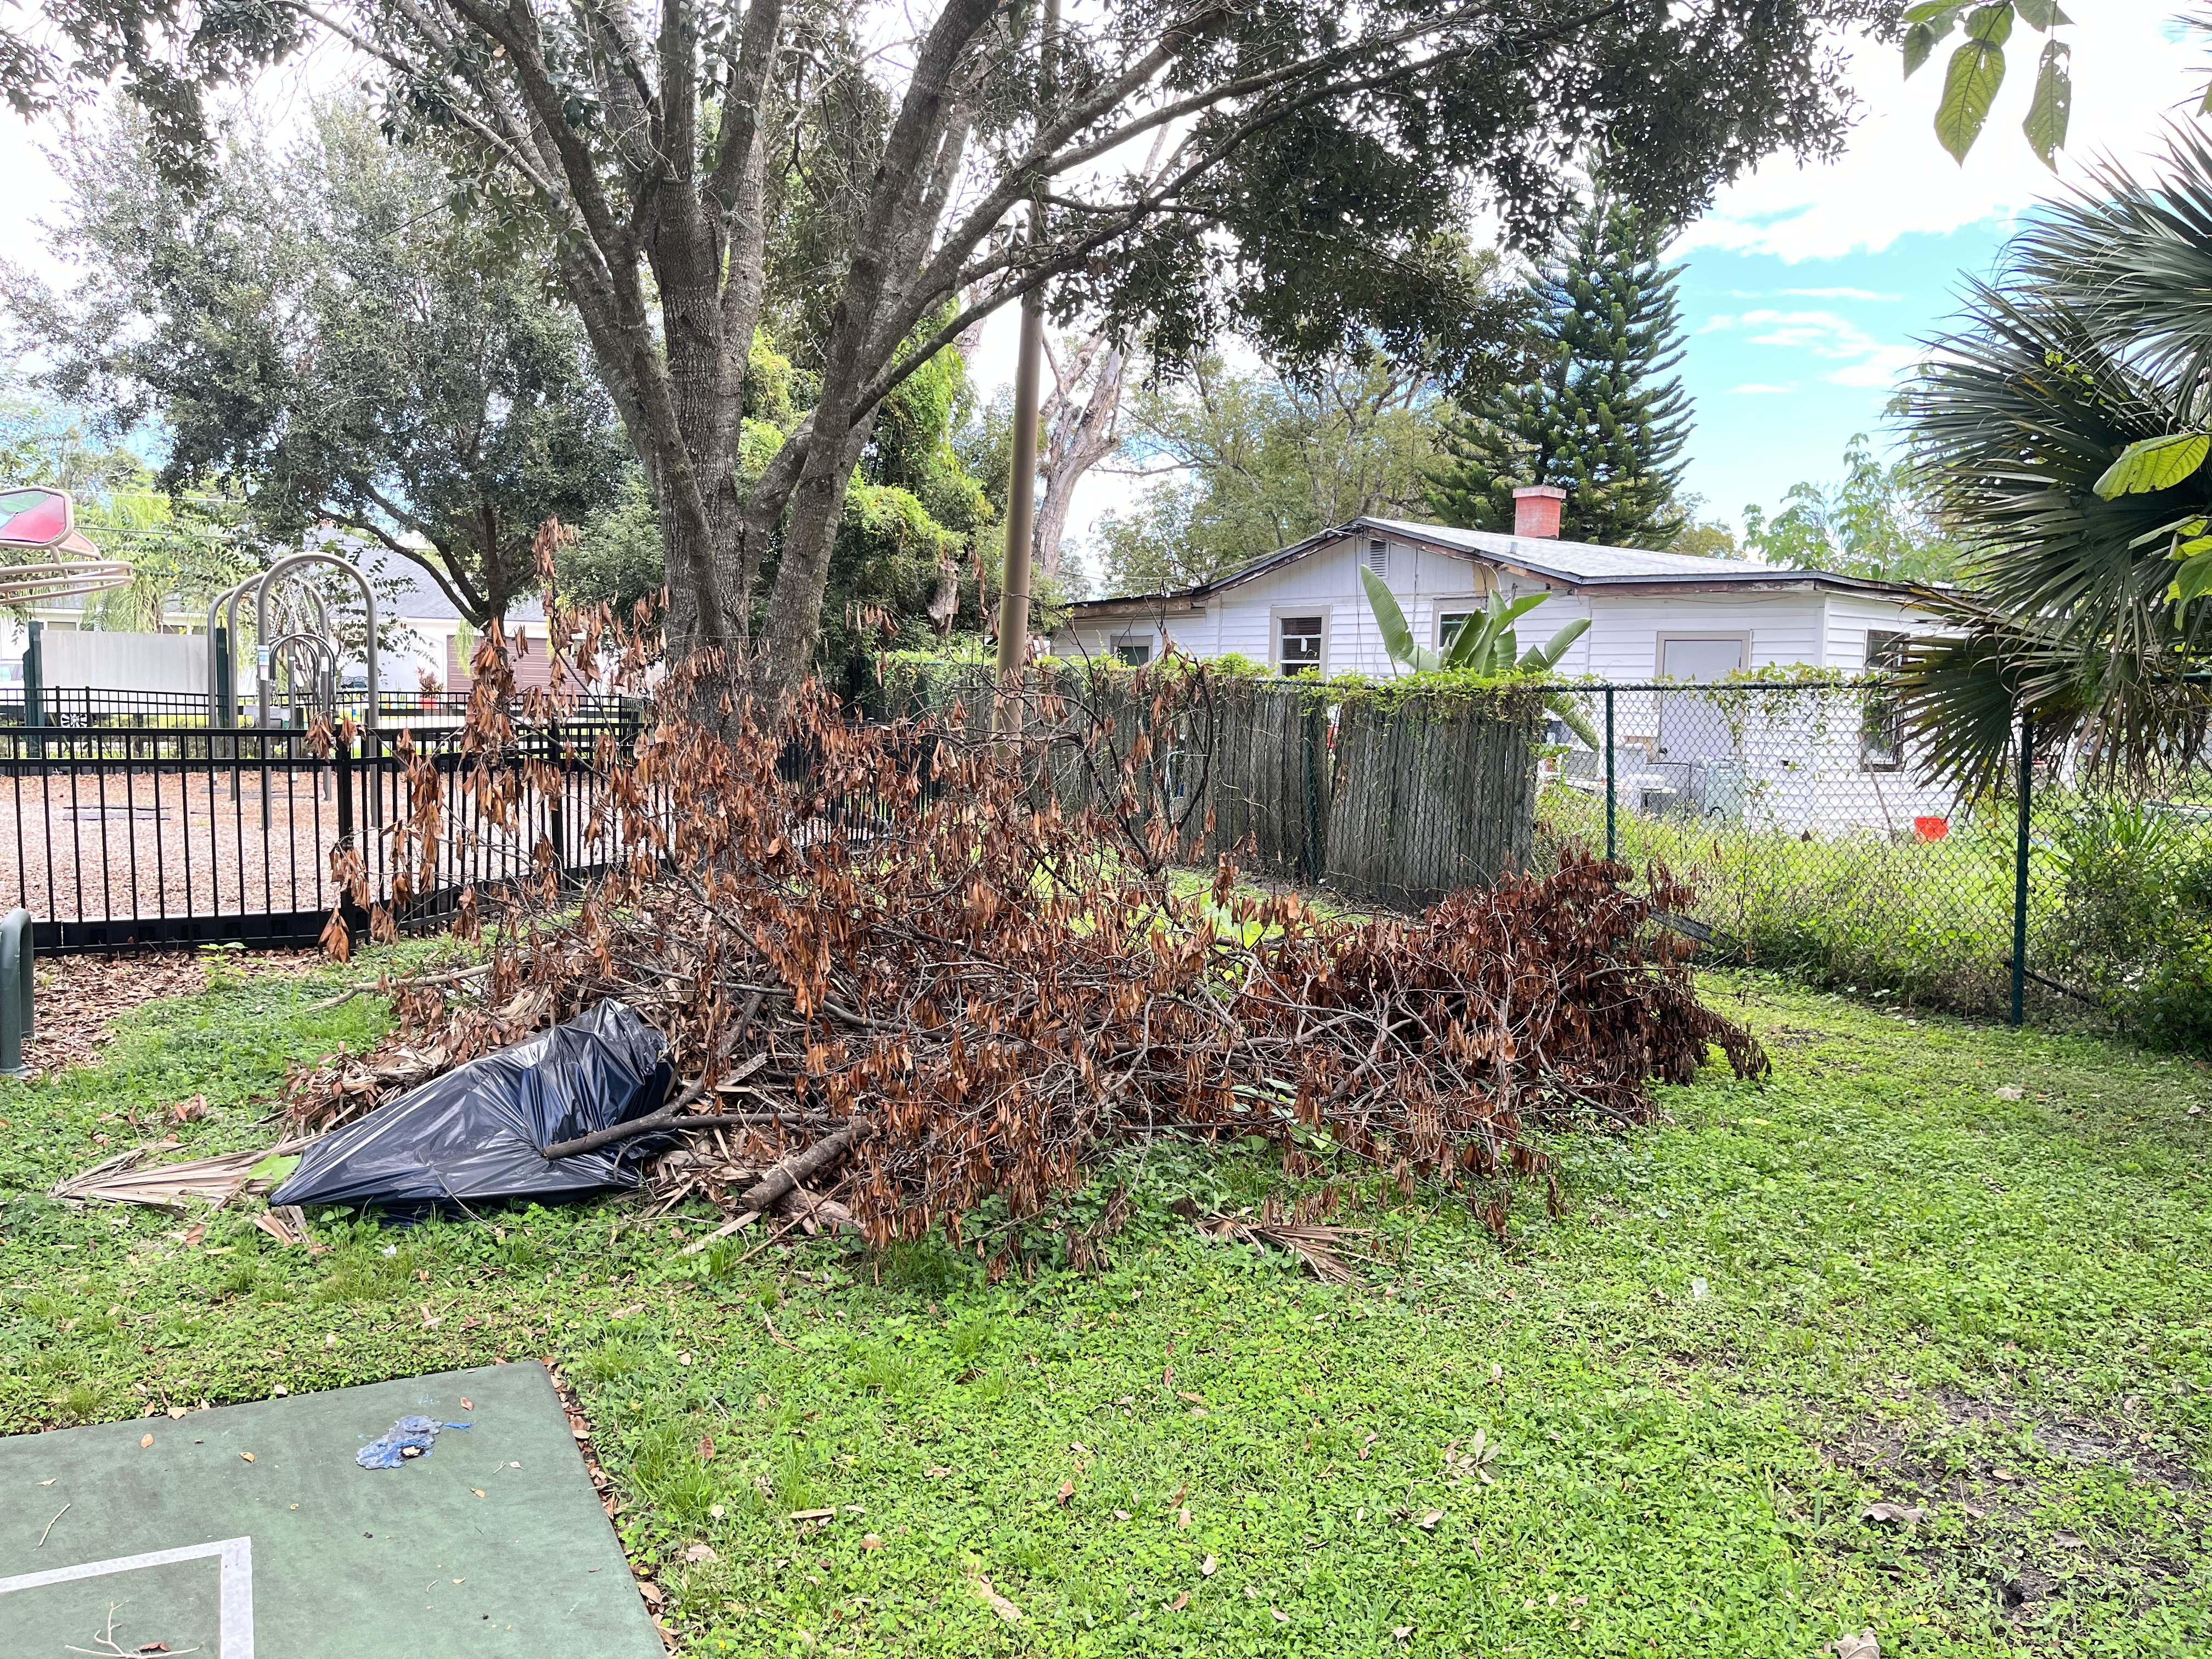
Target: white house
{"x": 1652, "y": 616}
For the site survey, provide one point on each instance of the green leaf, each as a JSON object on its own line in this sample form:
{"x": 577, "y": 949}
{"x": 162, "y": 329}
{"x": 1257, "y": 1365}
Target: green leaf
{"x": 2045, "y": 125}
{"x": 1927, "y": 26}
{"x": 2042, "y": 14}
{"x": 1472, "y": 642}
{"x": 1509, "y": 614}
{"x": 2155, "y": 463}
{"x": 1940, "y": 13}
{"x": 1547, "y": 656}
{"x": 1971, "y": 84}
{"x": 2192, "y": 580}
{"x": 1577, "y": 721}
{"x": 1919, "y": 41}
{"x": 1397, "y": 637}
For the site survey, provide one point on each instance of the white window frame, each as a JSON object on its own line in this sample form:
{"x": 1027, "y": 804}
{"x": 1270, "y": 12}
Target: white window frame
{"x": 1147, "y": 638}
{"x": 1696, "y": 636}
{"x": 1881, "y": 731}
{"x": 1279, "y": 614}
{"x": 1454, "y": 604}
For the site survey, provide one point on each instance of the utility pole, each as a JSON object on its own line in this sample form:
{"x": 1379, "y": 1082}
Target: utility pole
{"x": 1021, "y": 491}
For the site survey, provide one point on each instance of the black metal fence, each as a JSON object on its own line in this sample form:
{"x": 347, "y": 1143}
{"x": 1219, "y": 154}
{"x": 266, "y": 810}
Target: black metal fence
{"x": 127, "y": 835}
{"x": 1800, "y": 815}
{"x": 82, "y": 707}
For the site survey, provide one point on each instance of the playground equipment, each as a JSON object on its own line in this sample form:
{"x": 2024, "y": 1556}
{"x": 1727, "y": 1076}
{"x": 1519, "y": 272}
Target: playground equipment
{"x": 296, "y": 655}
{"x": 39, "y": 519}
{"x": 295, "y": 649}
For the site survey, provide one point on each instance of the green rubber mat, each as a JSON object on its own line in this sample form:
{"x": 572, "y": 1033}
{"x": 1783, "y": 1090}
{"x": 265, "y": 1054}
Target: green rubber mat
{"x": 255, "y": 1528}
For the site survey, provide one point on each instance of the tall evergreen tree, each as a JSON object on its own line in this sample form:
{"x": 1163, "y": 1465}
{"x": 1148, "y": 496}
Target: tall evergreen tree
{"x": 1603, "y": 418}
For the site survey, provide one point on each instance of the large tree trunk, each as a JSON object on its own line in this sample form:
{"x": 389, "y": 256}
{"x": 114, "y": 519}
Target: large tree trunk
{"x": 1078, "y": 436}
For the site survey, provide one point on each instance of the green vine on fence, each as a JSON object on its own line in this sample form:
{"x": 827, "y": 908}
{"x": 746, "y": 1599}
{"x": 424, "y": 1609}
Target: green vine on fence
{"x": 905, "y": 674}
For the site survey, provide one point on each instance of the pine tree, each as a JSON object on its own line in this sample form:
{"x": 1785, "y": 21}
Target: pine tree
{"x": 1603, "y": 418}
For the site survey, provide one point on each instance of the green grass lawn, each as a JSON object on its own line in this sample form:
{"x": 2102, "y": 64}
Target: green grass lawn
{"x": 1872, "y": 1278}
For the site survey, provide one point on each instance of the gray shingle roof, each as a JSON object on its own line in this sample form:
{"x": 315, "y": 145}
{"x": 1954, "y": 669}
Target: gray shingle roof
{"x": 1584, "y": 561}
{"x": 1575, "y": 564}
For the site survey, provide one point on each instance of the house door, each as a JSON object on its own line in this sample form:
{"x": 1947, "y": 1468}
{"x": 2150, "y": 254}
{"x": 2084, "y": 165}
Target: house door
{"x": 1692, "y": 729}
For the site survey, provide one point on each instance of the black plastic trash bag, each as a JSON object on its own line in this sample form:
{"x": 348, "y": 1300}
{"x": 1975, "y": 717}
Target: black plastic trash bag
{"x": 478, "y": 1132}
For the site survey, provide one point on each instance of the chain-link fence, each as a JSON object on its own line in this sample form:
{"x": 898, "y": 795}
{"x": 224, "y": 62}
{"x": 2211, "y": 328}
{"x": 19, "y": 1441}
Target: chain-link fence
{"x": 1799, "y": 814}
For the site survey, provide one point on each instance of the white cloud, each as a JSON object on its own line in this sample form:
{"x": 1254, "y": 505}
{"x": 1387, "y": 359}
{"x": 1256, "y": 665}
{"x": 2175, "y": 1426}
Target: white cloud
{"x": 1865, "y": 294}
{"x": 1880, "y": 369}
{"x": 1894, "y": 178}
{"x": 1757, "y": 388}
{"x": 1823, "y": 333}
{"x": 1866, "y": 360}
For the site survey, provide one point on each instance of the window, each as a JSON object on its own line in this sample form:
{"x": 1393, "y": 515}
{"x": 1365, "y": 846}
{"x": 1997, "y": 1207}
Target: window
{"x": 1298, "y": 644}
{"x": 1378, "y": 559}
{"x": 1881, "y": 733}
{"x": 1449, "y": 624}
{"x": 1135, "y": 653}
{"x": 1694, "y": 727}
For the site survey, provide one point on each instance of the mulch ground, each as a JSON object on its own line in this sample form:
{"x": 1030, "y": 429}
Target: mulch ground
{"x": 81, "y": 997}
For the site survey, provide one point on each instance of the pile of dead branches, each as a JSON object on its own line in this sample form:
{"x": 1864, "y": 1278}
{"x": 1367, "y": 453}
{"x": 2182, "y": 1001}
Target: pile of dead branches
{"x": 907, "y": 949}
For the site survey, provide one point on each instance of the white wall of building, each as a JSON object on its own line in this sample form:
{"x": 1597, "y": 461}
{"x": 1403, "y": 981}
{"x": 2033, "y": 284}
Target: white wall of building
{"x": 124, "y": 662}
{"x": 1623, "y": 642}
{"x": 1804, "y": 763}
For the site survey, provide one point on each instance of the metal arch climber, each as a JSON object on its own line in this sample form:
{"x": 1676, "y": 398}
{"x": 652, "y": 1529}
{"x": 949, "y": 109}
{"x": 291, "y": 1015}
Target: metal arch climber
{"x": 307, "y": 644}
{"x": 301, "y": 644}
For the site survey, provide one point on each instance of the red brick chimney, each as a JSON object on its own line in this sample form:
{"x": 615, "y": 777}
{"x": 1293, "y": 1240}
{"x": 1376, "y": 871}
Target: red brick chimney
{"x": 1536, "y": 511}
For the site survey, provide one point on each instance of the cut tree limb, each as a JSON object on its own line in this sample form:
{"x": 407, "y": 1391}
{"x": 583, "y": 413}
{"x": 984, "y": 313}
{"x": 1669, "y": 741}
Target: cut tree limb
{"x": 786, "y": 1177}
{"x": 385, "y": 987}
{"x": 795, "y": 1171}
{"x": 670, "y": 1116}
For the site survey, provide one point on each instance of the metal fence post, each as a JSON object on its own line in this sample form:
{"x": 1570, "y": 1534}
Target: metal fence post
{"x": 2020, "y": 875}
{"x": 35, "y": 678}
{"x": 1611, "y": 841}
{"x": 18, "y": 1010}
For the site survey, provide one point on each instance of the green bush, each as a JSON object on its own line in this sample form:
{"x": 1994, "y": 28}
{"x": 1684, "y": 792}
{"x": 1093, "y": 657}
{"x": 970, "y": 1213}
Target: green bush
{"x": 2133, "y": 926}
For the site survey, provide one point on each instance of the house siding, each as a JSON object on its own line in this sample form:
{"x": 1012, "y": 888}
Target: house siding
{"x": 1805, "y": 768}
{"x": 1621, "y": 644}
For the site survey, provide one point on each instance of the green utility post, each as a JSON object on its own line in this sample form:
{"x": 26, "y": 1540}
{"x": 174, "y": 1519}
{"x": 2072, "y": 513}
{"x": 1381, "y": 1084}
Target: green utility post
{"x": 34, "y": 676}
{"x": 225, "y": 712}
{"x": 2020, "y": 875}
{"x": 1612, "y": 843}
{"x": 18, "y": 1011}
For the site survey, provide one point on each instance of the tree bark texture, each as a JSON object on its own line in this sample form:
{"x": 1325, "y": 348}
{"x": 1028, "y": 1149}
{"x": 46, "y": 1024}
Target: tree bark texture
{"x": 640, "y": 135}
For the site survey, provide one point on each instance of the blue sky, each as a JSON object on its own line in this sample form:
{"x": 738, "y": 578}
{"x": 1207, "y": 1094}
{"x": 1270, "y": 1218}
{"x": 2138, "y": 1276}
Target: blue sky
{"x": 1786, "y": 361}
{"x": 1804, "y": 290}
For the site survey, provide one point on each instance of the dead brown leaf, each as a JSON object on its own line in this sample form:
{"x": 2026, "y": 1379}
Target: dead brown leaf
{"x": 999, "y": 1604}
{"x": 1887, "y": 1513}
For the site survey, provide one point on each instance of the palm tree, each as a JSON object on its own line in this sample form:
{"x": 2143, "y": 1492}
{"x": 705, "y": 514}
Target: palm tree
{"x": 2064, "y": 429}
